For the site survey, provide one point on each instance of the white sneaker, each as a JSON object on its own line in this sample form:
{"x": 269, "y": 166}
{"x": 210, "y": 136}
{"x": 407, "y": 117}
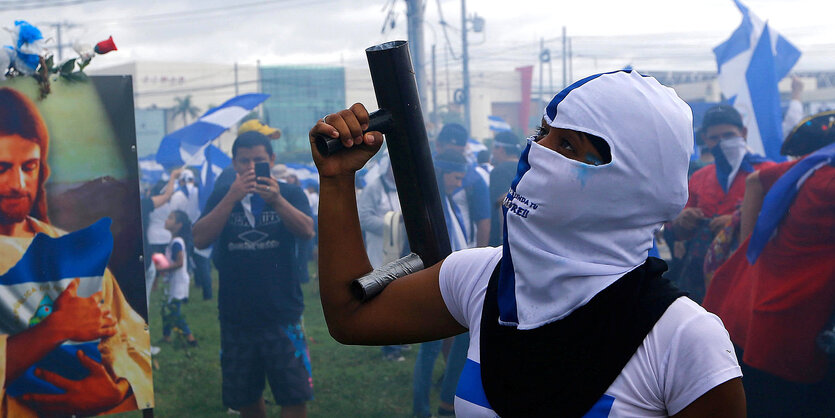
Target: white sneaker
{"x": 155, "y": 350}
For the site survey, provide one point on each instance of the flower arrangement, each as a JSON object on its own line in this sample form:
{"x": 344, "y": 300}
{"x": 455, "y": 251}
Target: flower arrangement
{"x": 28, "y": 56}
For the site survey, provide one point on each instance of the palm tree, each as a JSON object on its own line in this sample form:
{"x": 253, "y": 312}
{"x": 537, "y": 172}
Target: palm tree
{"x": 185, "y": 108}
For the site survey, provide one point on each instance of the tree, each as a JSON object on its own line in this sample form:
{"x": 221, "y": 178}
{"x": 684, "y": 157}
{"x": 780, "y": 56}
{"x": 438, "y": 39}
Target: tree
{"x": 185, "y": 108}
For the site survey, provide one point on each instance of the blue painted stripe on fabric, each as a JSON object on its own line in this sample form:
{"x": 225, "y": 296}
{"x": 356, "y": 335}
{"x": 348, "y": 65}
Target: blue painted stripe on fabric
{"x": 83, "y": 253}
{"x": 765, "y": 97}
{"x": 507, "y": 278}
{"x": 601, "y": 408}
{"x": 551, "y": 109}
{"x": 469, "y": 387}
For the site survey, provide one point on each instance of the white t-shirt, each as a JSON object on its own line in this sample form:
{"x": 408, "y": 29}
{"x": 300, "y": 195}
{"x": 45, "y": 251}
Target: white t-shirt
{"x": 156, "y": 232}
{"x": 189, "y": 204}
{"x": 687, "y": 352}
{"x": 177, "y": 279}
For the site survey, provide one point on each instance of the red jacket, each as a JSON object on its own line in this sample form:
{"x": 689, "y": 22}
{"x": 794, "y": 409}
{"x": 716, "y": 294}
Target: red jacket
{"x": 775, "y": 308}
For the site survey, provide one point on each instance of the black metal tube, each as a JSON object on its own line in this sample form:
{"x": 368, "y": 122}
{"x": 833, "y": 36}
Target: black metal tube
{"x": 411, "y": 159}
{"x": 379, "y": 120}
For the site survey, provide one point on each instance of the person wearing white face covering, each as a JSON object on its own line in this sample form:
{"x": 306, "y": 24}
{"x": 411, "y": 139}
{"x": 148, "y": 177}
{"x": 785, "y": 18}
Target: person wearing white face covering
{"x": 715, "y": 196}
{"x": 569, "y": 317}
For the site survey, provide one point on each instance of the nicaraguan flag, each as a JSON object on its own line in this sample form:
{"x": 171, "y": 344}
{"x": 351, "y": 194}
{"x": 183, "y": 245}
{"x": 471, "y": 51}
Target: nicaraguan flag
{"x": 185, "y": 146}
{"x": 751, "y": 62}
{"x": 191, "y": 146}
{"x": 29, "y": 289}
{"x": 497, "y": 124}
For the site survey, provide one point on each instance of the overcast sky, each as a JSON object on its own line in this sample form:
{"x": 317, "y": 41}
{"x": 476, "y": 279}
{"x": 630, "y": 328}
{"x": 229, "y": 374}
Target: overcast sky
{"x": 650, "y": 35}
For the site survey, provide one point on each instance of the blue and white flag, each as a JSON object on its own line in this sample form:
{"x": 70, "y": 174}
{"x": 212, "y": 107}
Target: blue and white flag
{"x": 185, "y": 146}
{"x": 497, "y": 124}
{"x": 474, "y": 147}
{"x": 30, "y": 287}
{"x": 307, "y": 174}
{"x": 751, "y": 63}
{"x": 190, "y": 146}
{"x": 216, "y": 160}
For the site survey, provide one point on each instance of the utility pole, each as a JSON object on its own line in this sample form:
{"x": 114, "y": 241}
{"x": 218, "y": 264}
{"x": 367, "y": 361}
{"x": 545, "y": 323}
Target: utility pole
{"x": 564, "y": 60}
{"x": 414, "y": 15}
{"x": 570, "y": 62}
{"x": 236, "y": 78}
{"x": 58, "y": 38}
{"x": 434, "y": 117}
{"x": 465, "y": 73}
{"x": 259, "y": 87}
{"x": 545, "y": 58}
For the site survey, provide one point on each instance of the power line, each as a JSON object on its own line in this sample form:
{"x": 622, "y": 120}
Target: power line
{"x": 40, "y": 4}
{"x": 444, "y": 26}
{"x": 211, "y": 12}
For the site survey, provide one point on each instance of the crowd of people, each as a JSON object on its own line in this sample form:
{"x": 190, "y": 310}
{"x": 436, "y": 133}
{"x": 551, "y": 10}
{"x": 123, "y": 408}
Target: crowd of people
{"x": 550, "y": 240}
{"x": 579, "y": 209}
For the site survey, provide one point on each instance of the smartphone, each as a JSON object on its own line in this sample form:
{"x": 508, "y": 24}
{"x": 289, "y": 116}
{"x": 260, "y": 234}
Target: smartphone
{"x": 262, "y": 170}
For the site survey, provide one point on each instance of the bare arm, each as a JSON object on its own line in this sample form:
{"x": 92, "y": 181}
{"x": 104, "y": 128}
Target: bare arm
{"x": 724, "y": 401}
{"x": 81, "y": 319}
{"x": 410, "y": 309}
{"x": 482, "y": 234}
{"x": 206, "y": 230}
{"x": 175, "y": 264}
{"x": 751, "y": 205}
{"x": 685, "y": 224}
{"x": 297, "y": 222}
{"x": 161, "y": 199}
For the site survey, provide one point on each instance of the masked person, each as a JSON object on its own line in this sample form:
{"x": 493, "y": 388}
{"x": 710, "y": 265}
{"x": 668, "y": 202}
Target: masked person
{"x": 716, "y": 193}
{"x": 569, "y": 316}
{"x": 776, "y": 293}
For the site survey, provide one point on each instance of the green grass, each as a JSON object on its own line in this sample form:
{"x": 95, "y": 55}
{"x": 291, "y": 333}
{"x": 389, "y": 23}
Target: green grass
{"x": 348, "y": 380}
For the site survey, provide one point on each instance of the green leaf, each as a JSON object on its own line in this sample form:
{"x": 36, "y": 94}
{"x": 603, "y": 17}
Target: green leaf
{"x": 68, "y": 67}
{"x": 83, "y": 64}
{"x": 77, "y": 76}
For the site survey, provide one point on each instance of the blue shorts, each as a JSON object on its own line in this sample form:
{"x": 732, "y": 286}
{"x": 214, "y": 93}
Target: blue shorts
{"x": 278, "y": 354}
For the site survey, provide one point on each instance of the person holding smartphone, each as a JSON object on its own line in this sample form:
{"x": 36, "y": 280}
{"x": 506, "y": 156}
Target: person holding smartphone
{"x": 255, "y": 223}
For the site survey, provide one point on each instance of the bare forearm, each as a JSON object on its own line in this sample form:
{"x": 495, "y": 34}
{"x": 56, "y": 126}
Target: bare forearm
{"x": 482, "y": 235}
{"x": 161, "y": 199}
{"x": 25, "y": 348}
{"x": 342, "y": 256}
{"x": 296, "y": 221}
{"x": 174, "y": 265}
{"x": 208, "y": 229}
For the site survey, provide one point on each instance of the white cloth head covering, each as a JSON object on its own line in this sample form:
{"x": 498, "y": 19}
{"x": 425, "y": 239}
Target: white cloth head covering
{"x": 572, "y": 229}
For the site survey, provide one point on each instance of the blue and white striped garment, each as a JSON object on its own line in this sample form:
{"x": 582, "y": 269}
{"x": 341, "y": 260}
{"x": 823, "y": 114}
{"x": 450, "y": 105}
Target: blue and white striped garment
{"x": 28, "y": 289}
